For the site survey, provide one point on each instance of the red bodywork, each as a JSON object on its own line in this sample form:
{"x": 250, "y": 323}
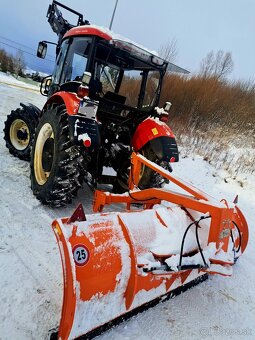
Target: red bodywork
{"x": 70, "y": 100}
{"x": 88, "y": 30}
{"x": 148, "y": 130}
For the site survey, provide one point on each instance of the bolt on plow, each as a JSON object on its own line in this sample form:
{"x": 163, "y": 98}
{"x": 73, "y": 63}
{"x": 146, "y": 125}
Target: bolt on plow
{"x": 117, "y": 264}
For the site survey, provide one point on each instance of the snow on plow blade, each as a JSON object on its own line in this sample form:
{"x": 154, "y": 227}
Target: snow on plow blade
{"x": 115, "y": 263}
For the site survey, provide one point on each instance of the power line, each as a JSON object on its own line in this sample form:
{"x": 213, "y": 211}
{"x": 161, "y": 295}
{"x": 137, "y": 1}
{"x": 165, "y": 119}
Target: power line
{"x": 27, "y": 47}
{"x": 19, "y": 49}
{"x": 15, "y": 42}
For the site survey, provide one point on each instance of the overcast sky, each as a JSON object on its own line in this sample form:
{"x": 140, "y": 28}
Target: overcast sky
{"x": 198, "y": 26}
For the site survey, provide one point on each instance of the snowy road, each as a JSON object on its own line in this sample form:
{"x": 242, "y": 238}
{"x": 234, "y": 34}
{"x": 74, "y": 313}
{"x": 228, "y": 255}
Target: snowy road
{"x": 30, "y": 267}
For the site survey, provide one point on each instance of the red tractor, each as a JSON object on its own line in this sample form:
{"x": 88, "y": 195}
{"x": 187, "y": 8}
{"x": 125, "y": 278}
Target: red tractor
{"x": 103, "y": 99}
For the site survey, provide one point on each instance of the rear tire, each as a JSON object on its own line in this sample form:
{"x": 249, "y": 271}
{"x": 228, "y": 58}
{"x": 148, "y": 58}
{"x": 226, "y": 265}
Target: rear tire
{"x": 19, "y": 131}
{"x": 55, "y": 162}
{"x": 149, "y": 178}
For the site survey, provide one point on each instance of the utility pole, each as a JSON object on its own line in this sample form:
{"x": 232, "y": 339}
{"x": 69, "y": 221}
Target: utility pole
{"x": 113, "y": 14}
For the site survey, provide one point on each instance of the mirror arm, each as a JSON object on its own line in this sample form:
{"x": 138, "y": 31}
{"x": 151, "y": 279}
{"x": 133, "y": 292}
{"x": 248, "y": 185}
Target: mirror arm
{"x": 49, "y": 42}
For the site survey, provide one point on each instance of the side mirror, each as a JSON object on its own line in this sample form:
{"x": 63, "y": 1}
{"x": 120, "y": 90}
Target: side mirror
{"x": 45, "y": 85}
{"x": 86, "y": 78}
{"x": 167, "y": 106}
{"x": 42, "y": 49}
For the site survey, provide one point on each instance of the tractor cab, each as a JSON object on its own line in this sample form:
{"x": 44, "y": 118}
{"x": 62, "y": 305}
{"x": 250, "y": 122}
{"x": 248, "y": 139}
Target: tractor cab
{"x": 121, "y": 76}
{"x": 120, "y": 71}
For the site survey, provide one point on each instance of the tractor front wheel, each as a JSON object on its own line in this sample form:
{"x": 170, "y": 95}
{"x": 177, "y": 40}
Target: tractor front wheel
{"x": 19, "y": 130}
{"x": 55, "y": 162}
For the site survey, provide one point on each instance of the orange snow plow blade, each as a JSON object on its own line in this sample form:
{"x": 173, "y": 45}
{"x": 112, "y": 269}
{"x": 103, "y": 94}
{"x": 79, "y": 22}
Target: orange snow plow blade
{"x": 116, "y": 263}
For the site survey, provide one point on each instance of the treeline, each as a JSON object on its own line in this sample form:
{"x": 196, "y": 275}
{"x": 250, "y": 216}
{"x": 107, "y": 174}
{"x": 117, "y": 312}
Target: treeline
{"x": 214, "y": 118}
{"x": 12, "y": 64}
{"x": 202, "y": 103}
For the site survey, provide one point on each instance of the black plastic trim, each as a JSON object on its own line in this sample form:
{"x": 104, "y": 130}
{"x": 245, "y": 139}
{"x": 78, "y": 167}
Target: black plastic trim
{"x": 165, "y": 148}
{"x": 79, "y": 125}
{"x": 31, "y": 108}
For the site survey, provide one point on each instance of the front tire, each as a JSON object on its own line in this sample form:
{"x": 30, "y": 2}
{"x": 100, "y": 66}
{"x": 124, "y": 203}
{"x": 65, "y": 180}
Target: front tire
{"x": 55, "y": 174}
{"x": 19, "y": 131}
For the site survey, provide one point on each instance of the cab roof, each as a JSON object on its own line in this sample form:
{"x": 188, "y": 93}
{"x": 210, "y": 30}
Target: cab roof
{"x": 122, "y": 42}
{"x": 89, "y": 30}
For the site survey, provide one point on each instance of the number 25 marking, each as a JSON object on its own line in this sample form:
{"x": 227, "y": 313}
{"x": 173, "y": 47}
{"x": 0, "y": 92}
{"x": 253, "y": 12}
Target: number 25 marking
{"x": 80, "y": 255}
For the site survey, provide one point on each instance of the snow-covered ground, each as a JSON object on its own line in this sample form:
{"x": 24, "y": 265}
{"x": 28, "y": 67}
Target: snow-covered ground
{"x": 30, "y": 267}
{"x": 14, "y": 82}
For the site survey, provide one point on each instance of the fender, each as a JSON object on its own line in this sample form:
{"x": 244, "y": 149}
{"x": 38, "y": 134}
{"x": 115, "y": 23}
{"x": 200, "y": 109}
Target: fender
{"x": 78, "y": 124}
{"x": 70, "y": 100}
{"x": 160, "y": 136}
{"x": 31, "y": 109}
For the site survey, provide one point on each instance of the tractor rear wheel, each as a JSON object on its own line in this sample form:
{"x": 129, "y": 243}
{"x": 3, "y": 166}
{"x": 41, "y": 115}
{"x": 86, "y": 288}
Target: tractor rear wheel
{"x": 55, "y": 162}
{"x": 148, "y": 177}
{"x": 19, "y": 130}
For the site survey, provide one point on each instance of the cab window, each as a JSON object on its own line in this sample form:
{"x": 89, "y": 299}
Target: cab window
{"x": 72, "y": 60}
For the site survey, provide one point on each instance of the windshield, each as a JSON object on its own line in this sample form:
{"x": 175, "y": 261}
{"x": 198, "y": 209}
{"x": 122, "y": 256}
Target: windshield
{"x": 72, "y": 60}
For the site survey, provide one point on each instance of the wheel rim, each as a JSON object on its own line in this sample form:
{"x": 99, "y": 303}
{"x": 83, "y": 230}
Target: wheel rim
{"x": 19, "y": 134}
{"x": 43, "y": 156}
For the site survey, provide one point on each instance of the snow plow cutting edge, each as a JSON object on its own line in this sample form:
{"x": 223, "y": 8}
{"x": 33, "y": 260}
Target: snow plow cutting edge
{"x": 118, "y": 263}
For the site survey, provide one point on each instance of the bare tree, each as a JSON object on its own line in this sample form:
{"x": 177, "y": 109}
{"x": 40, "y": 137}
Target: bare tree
{"x": 9, "y": 63}
{"x": 217, "y": 65}
{"x": 3, "y": 61}
{"x": 19, "y": 63}
{"x": 169, "y": 50}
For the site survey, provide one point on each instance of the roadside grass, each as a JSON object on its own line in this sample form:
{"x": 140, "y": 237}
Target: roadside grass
{"x": 215, "y": 119}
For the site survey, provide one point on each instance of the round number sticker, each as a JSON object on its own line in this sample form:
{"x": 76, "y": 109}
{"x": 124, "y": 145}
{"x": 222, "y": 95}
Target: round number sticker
{"x": 80, "y": 255}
